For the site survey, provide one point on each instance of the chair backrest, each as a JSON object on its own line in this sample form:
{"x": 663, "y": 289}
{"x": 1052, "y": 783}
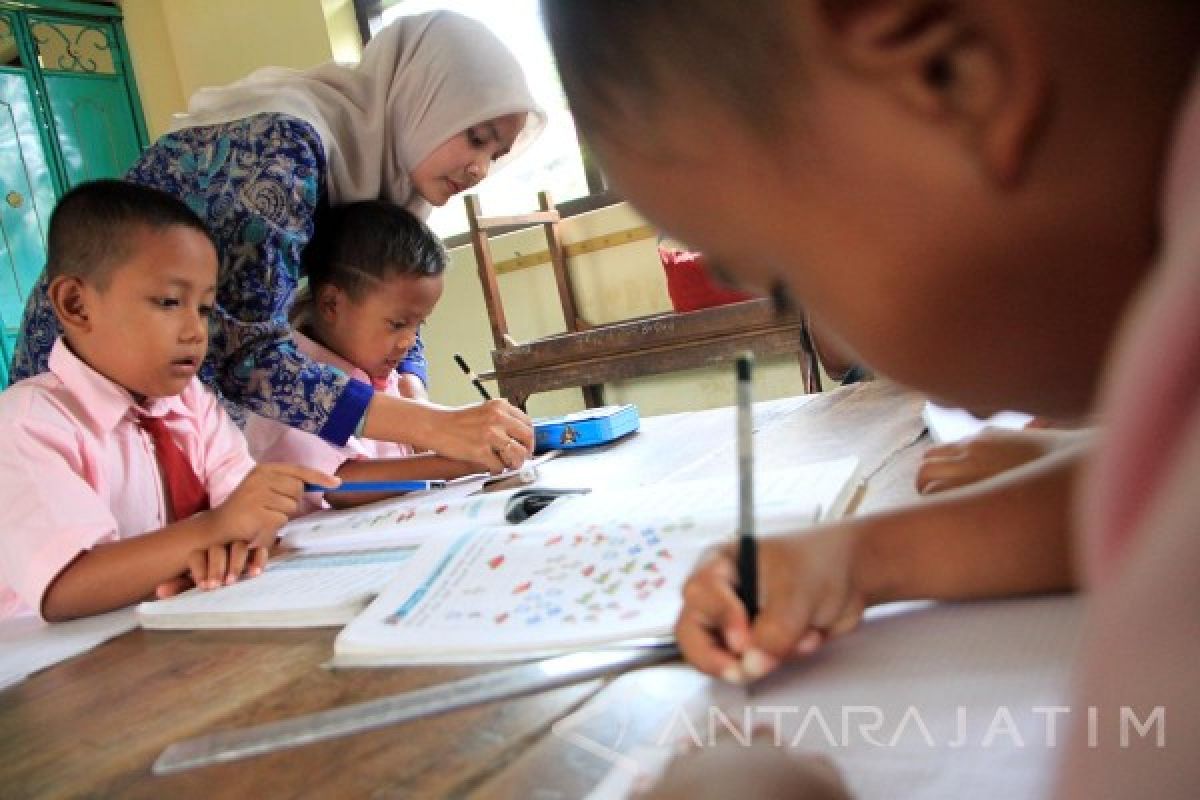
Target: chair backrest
{"x": 588, "y": 356}
{"x": 481, "y": 227}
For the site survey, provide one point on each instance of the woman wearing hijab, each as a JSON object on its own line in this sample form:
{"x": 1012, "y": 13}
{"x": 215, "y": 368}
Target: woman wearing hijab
{"x": 436, "y": 102}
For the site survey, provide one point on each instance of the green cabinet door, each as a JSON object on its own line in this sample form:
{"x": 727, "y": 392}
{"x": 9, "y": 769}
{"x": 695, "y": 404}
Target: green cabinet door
{"x": 68, "y": 113}
{"x": 88, "y": 95}
{"x": 26, "y": 199}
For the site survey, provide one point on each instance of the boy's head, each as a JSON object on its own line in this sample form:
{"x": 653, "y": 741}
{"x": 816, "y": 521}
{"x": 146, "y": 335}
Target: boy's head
{"x": 374, "y": 273}
{"x": 965, "y": 192}
{"x": 132, "y": 276}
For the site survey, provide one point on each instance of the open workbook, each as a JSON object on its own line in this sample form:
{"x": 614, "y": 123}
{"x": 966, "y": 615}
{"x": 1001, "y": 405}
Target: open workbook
{"x": 593, "y": 572}
{"x": 405, "y": 521}
{"x": 619, "y": 557}
{"x": 335, "y": 562}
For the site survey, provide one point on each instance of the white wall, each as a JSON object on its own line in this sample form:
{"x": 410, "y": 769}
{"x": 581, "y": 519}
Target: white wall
{"x": 178, "y": 46}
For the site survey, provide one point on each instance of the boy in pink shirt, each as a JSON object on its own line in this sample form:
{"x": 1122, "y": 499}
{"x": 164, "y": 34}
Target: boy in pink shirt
{"x": 374, "y": 275}
{"x": 120, "y": 474}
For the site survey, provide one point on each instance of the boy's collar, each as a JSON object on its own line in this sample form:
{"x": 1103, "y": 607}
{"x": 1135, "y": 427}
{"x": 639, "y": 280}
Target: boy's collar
{"x": 103, "y": 401}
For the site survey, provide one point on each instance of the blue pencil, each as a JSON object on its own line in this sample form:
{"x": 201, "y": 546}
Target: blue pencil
{"x": 378, "y": 486}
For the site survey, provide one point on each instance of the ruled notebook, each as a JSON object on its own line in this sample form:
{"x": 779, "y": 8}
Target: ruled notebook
{"x": 295, "y": 591}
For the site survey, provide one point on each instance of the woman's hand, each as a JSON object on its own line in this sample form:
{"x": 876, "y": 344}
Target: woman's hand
{"x": 495, "y": 434}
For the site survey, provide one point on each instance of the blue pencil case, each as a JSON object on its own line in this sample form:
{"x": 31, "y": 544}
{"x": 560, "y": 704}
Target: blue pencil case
{"x": 585, "y": 428}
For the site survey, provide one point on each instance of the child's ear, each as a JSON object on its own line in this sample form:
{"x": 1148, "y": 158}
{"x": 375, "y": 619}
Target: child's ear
{"x": 68, "y": 296}
{"x": 971, "y": 66}
{"x": 328, "y": 302}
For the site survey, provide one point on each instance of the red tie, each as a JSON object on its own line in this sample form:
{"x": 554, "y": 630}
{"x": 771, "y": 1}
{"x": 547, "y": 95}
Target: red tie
{"x": 185, "y": 493}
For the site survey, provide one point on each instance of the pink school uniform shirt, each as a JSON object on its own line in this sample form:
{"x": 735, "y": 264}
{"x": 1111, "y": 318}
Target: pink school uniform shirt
{"x": 77, "y": 470}
{"x": 1151, "y": 400}
{"x": 1140, "y": 522}
{"x": 278, "y": 443}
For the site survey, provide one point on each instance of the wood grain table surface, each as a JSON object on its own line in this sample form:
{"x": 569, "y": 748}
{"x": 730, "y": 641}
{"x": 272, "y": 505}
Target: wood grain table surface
{"x": 93, "y": 725}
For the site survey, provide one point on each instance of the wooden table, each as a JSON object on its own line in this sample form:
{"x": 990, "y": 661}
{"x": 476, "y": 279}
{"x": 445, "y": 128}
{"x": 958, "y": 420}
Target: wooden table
{"x": 92, "y": 726}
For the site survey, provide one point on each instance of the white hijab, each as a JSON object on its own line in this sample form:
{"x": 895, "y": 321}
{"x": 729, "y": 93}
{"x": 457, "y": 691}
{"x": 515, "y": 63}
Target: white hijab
{"x": 422, "y": 80}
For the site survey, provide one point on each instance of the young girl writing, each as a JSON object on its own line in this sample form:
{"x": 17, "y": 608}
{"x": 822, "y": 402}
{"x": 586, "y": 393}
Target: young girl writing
{"x": 374, "y": 275}
{"x": 969, "y": 194}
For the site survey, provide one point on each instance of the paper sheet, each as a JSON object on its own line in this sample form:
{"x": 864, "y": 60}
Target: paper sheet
{"x": 948, "y": 425}
{"x": 784, "y": 499}
{"x": 27, "y": 644}
{"x": 298, "y": 591}
{"x": 398, "y": 522}
{"x": 517, "y": 592}
{"x": 948, "y": 701}
{"x": 410, "y": 519}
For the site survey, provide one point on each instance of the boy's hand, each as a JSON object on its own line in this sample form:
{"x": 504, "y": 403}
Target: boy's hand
{"x": 265, "y": 500}
{"x": 807, "y": 595}
{"x": 983, "y": 456}
{"x": 219, "y": 565}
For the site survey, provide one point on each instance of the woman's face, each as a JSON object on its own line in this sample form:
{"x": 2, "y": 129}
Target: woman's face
{"x": 464, "y": 159}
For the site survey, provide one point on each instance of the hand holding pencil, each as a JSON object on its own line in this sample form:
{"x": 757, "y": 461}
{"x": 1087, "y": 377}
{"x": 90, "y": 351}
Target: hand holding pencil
{"x": 806, "y": 585}
{"x": 493, "y": 435}
{"x": 747, "y": 546}
{"x": 810, "y": 586}
{"x": 511, "y": 451}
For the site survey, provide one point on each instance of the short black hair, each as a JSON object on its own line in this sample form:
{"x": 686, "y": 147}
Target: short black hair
{"x": 357, "y": 244}
{"x": 617, "y": 57}
{"x": 91, "y": 226}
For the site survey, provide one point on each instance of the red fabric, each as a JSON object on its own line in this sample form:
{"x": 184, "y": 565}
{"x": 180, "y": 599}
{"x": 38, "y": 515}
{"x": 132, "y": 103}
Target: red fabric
{"x": 186, "y": 495}
{"x": 690, "y": 284}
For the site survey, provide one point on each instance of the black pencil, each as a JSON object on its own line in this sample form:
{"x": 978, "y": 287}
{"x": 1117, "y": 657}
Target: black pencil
{"x": 462, "y": 364}
{"x": 747, "y": 556}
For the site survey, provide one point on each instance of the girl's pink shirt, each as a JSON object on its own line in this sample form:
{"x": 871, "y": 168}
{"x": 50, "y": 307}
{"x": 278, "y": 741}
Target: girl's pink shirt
{"x": 77, "y": 470}
{"x": 271, "y": 441}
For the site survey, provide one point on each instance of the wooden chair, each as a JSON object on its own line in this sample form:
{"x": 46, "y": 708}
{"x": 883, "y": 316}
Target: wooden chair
{"x": 588, "y": 356}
